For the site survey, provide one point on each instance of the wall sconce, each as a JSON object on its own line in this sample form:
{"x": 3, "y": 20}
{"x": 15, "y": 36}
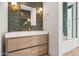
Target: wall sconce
{"x": 39, "y": 11}
{"x": 14, "y": 6}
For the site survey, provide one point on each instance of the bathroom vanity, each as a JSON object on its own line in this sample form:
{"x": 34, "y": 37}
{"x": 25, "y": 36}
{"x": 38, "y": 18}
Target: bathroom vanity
{"x": 26, "y": 43}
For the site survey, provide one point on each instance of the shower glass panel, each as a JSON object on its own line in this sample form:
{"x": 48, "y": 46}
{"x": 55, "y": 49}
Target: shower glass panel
{"x": 70, "y": 19}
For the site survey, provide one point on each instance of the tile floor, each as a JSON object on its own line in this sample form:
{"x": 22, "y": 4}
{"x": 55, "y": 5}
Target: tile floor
{"x": 74, "y": 52}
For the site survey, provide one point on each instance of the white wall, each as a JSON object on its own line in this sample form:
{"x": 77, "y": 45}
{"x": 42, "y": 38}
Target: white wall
{"x": 78, "y": 25}
{"x": 64, "y": 45}
{"x": 3, "y": 20}
{"x": 50, "y": 23}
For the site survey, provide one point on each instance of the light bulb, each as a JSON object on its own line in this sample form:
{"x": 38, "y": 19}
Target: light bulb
{"x": 28, "y": 20}
{"x": 40, "y": 9}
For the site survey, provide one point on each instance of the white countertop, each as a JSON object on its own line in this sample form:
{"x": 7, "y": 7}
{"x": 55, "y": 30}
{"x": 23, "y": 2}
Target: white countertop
{"x": 24, "y": 33}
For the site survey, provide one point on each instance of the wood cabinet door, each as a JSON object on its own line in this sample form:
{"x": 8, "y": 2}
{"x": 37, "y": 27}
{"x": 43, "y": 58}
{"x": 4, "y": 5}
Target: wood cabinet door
{"x": 18, "y": 43}
{"x": 40, "y": 39}
{"x": 40, "y": 50}
{"x": 25, "y": 52}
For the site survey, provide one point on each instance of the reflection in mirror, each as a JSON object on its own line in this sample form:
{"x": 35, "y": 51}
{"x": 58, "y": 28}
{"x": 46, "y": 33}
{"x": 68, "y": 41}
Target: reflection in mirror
{"x": 25, "y": 19}
{"x": 32, "y": 13}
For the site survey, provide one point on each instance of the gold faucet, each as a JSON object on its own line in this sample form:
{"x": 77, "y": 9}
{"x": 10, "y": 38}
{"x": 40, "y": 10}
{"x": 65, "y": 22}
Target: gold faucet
{"x": 29, "y": 29}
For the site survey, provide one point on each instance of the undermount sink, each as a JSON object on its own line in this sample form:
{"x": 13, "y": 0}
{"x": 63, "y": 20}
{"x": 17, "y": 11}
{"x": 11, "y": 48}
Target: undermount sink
{"x": 24, "y": 33}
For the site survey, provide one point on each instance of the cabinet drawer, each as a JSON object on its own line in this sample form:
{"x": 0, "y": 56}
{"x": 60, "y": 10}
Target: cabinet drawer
{"x": 39, "y": 50}
{"x": 26, "y": 52}
{"x": 40, "y": 39}
{"x": 17, "y": 43}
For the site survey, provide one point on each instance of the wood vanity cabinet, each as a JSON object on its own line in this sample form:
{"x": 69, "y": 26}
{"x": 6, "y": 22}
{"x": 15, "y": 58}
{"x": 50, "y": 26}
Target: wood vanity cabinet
{"x": 36, "y": 45}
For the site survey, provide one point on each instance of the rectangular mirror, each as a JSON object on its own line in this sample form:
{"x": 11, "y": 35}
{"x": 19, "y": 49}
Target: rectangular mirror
{"x": 32, "y": 14}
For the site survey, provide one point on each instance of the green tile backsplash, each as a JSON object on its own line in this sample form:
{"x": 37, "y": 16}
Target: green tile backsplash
{"x": 14, "y": 18}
